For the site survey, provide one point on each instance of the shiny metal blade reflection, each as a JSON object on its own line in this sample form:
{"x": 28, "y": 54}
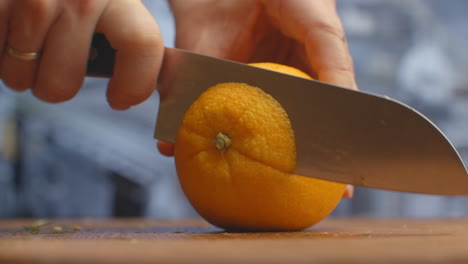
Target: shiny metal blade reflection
{"x": 341, "y": 135}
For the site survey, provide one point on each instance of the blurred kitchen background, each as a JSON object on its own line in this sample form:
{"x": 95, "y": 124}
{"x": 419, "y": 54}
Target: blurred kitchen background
{"x": 81, "y": 159}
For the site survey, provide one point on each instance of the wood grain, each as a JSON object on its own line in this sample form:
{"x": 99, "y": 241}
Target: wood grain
{"x": 195, "y": 241}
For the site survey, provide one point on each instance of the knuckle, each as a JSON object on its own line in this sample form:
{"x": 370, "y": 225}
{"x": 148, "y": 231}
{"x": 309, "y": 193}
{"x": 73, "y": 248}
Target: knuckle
{"x": 143, "y": 41}
{"x": 4, "y": 8}
{"x": 37, "y": 10}
{"x": 83, "y": 8}
{"x": 345, "y": 69}
{"x": 16, "y": 84}
{"x": 53, "y": 91}
{"x": 335, "y": 31}
{"x": 341, "y": 68}
{"x": 344, "y": 65}
{"x": 120, "y": 96}
{"x": 134, "y": 97}
{"x": 143, "y": 95}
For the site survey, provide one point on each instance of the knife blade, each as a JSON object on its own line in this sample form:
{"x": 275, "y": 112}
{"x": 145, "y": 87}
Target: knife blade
{"x": 342, "y": 135}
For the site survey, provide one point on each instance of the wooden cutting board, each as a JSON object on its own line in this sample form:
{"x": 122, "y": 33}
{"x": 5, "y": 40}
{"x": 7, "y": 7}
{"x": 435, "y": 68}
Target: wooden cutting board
{"x": 195, "y": 241}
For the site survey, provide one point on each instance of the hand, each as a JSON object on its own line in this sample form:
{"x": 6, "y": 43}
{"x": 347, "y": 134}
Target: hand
{"x": 302, "y": 33}
{"x": 306, "y": 34}
{"x": 60, "y": 31}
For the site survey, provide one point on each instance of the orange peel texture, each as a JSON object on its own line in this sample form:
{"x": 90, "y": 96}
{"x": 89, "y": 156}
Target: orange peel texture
{"x": 235, "y": 153}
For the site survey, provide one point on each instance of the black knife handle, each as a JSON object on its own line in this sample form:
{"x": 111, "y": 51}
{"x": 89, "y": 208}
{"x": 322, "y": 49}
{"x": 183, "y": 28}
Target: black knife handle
{"x": 101, "y": 57}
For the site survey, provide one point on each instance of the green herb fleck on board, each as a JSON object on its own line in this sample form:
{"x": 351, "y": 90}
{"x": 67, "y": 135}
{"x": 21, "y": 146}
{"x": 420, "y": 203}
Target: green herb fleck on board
{"x": 32, "y": 229}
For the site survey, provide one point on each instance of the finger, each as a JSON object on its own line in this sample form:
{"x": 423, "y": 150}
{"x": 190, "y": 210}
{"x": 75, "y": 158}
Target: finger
{"x": 28, "y": 27}
{"x": 167, "y": 149}
{"x": 228, "y": 40}
{"x": 66, "y": 51}
{"x": 349, "y": 192}
{"x": 316, "y": 24}
{"x": 329, "y": 56}
{"x": 4, "y": 15}
{"x": 133, "y": 32}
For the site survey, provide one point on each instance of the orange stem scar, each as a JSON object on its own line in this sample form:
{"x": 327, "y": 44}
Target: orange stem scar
{"x": 222, "y": 141}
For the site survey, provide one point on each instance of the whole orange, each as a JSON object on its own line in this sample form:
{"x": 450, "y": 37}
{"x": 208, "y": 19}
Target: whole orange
{"x": 235, "y": 153}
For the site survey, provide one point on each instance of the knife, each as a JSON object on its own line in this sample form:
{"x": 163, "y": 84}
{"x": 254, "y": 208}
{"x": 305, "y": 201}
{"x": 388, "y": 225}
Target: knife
{"x": 342, "y": 135}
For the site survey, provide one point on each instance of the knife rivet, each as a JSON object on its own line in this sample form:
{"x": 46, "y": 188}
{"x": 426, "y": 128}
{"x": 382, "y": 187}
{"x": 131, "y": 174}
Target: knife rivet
{"x": 222, "y": 141}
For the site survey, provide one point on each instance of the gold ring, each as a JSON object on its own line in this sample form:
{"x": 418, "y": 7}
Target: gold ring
{"x": 26, "y": 56}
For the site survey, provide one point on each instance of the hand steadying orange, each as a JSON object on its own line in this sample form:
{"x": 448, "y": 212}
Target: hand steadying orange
{"x": 304, "y": 34}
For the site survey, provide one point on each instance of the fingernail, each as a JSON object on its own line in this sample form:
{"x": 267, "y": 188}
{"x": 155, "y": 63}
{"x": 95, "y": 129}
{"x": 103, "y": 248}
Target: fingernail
{"x": 349, "y": 192}
{"x": 120, "y": 107}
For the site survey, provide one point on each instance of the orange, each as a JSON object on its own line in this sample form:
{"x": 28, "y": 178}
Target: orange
{"x": 235, "y": 154}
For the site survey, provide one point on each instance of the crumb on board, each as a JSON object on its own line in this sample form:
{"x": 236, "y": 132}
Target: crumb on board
{"x": 57, "y": 229}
